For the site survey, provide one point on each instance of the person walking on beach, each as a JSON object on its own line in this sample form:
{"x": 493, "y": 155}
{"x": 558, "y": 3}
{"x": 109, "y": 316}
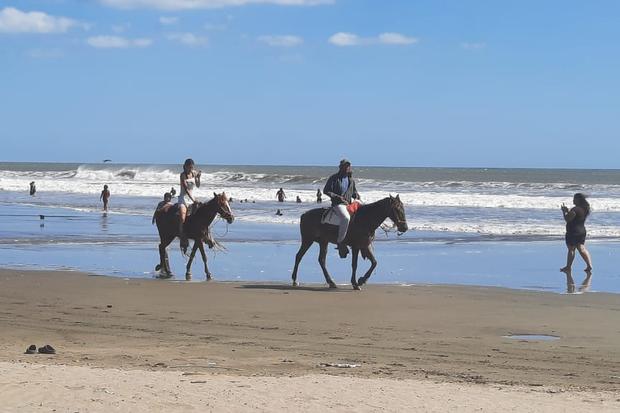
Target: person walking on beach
{"x": 340, "y": 188}
{"x": 105, "y": 196}
{"x": 33, "y": 188}
{"x": 281, "y": 195}
{"x": 190, "y": 179}
{"x": 576, "y": 236}
{"x": 319, "y": 196}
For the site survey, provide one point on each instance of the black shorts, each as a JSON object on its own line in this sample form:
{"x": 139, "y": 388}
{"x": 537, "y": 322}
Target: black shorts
{"x": 572, "y": 240}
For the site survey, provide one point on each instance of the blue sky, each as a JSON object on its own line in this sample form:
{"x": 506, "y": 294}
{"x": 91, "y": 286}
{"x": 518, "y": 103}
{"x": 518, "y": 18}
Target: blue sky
{"x": 383, "y": 82}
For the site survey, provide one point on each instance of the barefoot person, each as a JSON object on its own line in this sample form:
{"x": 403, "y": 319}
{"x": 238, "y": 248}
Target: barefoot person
{"x": 281, "y": 195}
{"x": 340, "y": 187}
{"x": 576, "y": 237}
{"x": 105, "y": 197}
{"x": 190, "y": 179}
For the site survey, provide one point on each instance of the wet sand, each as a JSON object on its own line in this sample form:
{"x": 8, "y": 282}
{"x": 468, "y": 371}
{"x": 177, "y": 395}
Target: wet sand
{"x": 448, "y": 336}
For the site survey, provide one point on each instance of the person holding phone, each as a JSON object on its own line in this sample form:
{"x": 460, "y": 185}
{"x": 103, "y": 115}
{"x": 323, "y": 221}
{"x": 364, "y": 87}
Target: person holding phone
{"x": 576, "y": 234}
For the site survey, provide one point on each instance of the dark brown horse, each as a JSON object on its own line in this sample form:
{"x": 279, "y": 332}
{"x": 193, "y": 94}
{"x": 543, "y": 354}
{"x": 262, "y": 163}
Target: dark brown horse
{"x": 196, "y": 227}
{"x": 360, "y": 235}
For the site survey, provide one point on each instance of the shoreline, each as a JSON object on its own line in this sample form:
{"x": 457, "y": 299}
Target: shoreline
{"x": 448, "y": 333}
{"x": 150, "y": 345}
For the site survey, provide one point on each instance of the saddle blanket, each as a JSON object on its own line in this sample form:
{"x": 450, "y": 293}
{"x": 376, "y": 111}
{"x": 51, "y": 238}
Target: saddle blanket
{"x": 331, "y": 217}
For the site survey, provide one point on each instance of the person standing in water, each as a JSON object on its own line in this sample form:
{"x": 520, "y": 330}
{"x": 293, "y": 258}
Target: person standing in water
{"x": 576, "y": 238}
{"x": 281, "y": 195}
{"x": 105, "y": 197}
{"x": 33, "y": 188}
{"x": 189, "y": 179}
{"x": 319, "y": 196}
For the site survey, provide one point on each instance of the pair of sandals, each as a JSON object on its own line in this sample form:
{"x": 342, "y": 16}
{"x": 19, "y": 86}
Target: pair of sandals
{"x": 46, "y": 349}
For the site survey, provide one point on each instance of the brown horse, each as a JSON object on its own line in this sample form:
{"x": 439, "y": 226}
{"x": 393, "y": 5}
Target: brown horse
{"x": 360, "y": 235}
{"x": 196, "y": 227}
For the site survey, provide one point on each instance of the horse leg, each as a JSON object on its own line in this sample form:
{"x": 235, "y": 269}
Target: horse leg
{"x": 188, "y": 269}
{"x": 322, "y": 256}
{"x": 356, "y": 253}
{"x": 164, "y": 265}
{"x": 201, "y": 247}
{"x": 373, "y": 264}
{"x": 305, "y": 244}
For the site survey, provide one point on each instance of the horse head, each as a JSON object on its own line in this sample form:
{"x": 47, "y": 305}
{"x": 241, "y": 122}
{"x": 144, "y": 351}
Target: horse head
{"x": 223, "y": 207}
{"x": 397, "y": 214}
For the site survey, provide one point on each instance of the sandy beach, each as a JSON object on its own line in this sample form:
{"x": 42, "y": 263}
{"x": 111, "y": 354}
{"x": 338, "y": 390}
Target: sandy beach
{"x": 253, "y": 346}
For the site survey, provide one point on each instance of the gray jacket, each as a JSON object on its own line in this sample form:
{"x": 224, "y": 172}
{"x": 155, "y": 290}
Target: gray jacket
{"x": 333, "y": 188}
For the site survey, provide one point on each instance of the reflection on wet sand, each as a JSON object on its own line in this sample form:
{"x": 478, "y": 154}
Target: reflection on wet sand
{"x": 585, "y": 284}
{"x": 104, "y": 222}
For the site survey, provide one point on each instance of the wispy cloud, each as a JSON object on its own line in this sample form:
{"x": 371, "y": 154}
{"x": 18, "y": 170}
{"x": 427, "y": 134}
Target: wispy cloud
{"x": 396, "y": 39}
{"x": 473, "y": 46}
{"x": 121, "y": 28}
{"x": 188, "y": 39}
{"x": 117, "y": 42}
{"x": 281, "y": 41}
{"x": 343, "y": 39}
{"x": 13, "y": 20}
{"x": 205, "y": 4}
{"x": 45, "y": 53}
{"x": 168, "y": 20}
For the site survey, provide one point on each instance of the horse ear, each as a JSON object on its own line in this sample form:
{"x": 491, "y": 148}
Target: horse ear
{"x": 215, "y": 194}
{"x": 398, "y": 196}
{"x": 391, "y": 197}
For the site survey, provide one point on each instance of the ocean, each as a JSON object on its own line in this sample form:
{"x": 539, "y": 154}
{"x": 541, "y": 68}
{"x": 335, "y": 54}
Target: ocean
{"x": 457, "y": 217}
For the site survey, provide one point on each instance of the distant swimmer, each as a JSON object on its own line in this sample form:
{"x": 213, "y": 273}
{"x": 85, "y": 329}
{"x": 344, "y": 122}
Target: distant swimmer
{"x": 281, "y": 195}
{"x": 576, "y": 237}
{"x": 298, "y": 200}
{"x": 163, "y": 206}
{"x": 319, "y": 196}
{"x": 173, "y": 192}
{"x": 105, "y": 197}
{"x": 33, "y": 188}
{"x": 279, "y": 213}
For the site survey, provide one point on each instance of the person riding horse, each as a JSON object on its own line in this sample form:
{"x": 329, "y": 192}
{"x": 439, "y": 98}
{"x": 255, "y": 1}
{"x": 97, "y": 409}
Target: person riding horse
{"x": 189, "y": 178}
{"x": 341, "y": 189}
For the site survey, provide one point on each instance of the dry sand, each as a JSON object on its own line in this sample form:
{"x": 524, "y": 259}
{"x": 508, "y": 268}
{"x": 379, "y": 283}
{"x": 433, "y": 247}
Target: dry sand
{"x": 151, "y": 345}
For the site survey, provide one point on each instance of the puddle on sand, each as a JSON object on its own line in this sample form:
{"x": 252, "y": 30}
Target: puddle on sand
{"x": 532, "y": 337}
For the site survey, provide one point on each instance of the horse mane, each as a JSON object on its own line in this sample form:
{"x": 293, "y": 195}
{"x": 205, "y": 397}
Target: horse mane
{"x": 365, "y": 208}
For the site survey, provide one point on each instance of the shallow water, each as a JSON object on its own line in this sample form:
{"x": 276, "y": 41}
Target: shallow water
{"x": 468, "y": 226}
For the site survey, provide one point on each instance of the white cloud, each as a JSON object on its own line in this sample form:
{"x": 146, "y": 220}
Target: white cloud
{"x": 168, "y": 20}
{"x": 188, "y": 39}
{"x": 13, "y": 20}
{"x": 281, "y": 41}
{"x": 117, "y": 42}
{"x": 205, "y": 4}
{"x": 473, "y": 46}
{"x": 343, "y": 39}
{"x": 396, "y": 39}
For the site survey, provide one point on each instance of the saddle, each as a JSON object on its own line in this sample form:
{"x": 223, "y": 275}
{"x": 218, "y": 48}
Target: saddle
{"x": 331, "y": 217}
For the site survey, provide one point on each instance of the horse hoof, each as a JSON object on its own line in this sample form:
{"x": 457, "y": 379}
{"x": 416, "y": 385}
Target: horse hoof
{"x": 295, "y": 284}
{"x": 209, "y": 277}
{"x": 332, "y": 285}
{"x": 158, "y": 267}
{"x": 357, "y": 287}
{"x": 188, "y": 276}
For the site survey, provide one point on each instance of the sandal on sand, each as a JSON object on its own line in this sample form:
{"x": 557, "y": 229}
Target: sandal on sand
{"x": 47, "y": 349}
{"x": 31, "y": 350}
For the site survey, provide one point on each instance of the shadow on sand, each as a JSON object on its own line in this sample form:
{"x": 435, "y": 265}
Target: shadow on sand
{"x": 283, "y": 287}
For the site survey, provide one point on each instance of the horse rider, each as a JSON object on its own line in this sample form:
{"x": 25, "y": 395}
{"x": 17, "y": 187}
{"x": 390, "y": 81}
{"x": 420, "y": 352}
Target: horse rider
{"x": 190, "y": 179}
{"x": 340, "y": 187}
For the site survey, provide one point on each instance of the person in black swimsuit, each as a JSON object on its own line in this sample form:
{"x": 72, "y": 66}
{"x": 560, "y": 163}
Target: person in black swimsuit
{"x": 576, "y": 237}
